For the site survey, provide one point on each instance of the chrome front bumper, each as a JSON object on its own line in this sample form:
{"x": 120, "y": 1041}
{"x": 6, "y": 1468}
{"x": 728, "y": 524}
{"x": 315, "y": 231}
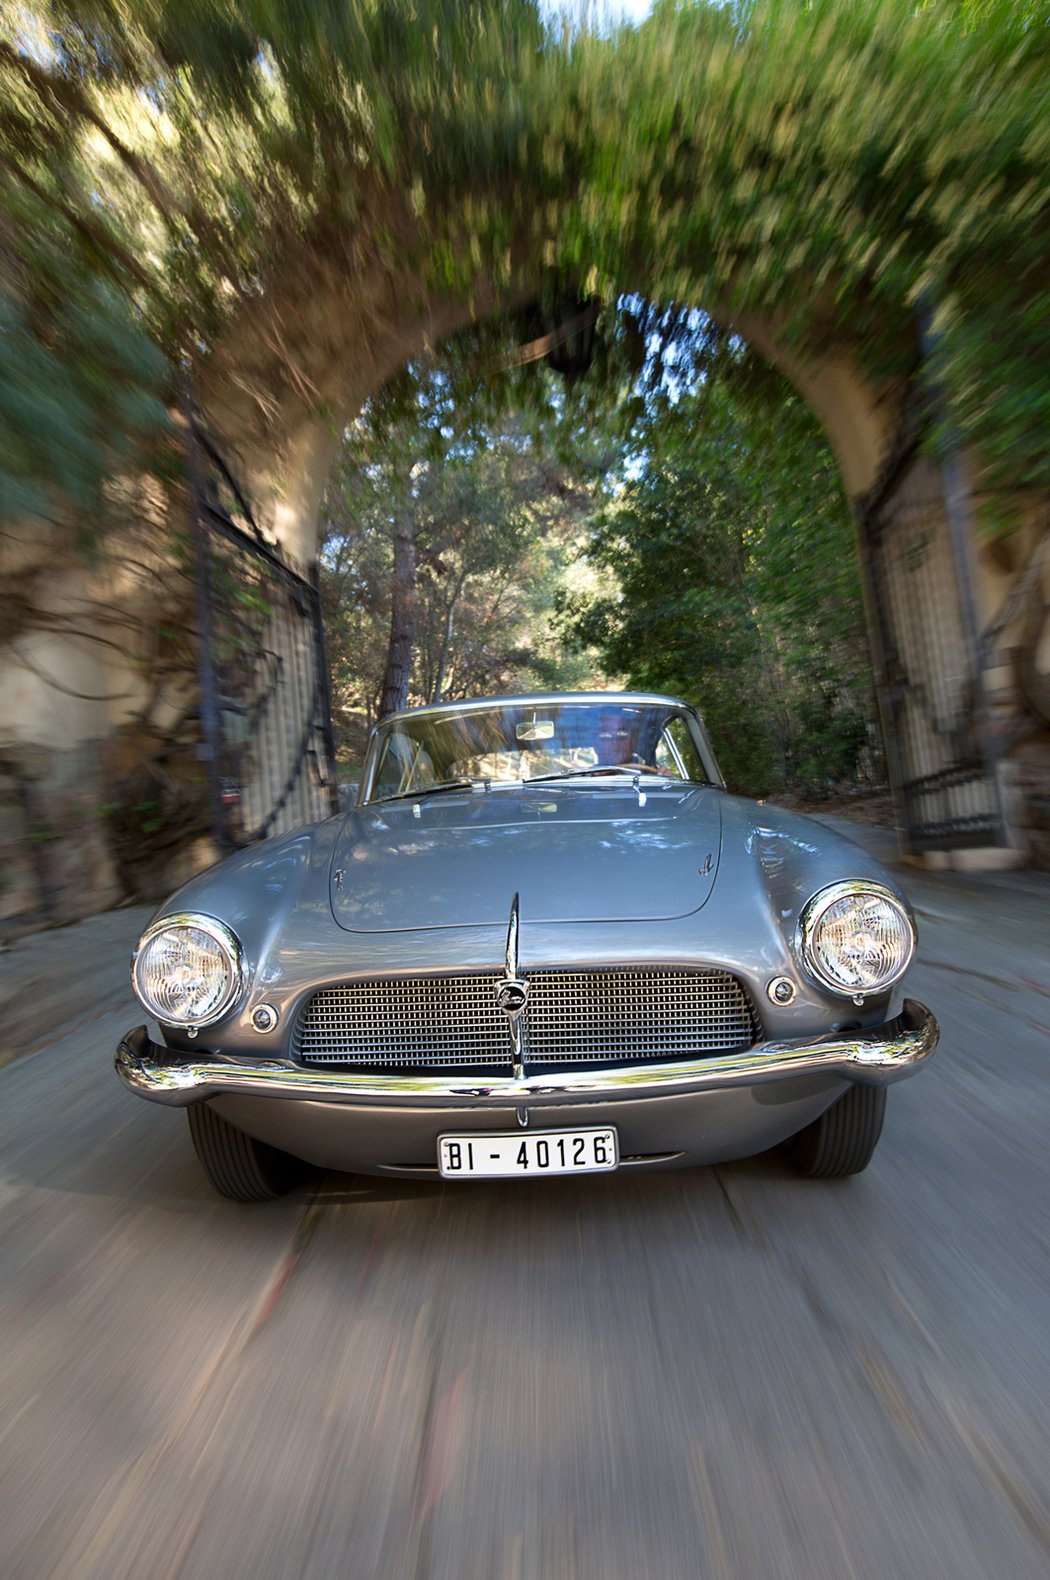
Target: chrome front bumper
{"x": 872, "y": 1057}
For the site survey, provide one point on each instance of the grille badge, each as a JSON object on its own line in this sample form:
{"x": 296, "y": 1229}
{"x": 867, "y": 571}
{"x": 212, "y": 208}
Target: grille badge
{"x": 511, "y": 996}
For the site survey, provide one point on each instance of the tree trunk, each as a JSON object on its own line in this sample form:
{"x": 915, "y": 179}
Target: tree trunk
{"x": 394, "y": 695}
{"x": 439, "y": 683}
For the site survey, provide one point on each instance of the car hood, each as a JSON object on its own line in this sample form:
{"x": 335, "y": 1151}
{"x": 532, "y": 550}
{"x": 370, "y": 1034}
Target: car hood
{"x": 573, "y": 854}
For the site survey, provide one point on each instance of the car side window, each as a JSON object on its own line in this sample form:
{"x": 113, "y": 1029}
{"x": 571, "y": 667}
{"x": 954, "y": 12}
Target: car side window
{"x": 664, "y": 759}
{"x": 676, "y": 754}
{"x": 403, "y": 765}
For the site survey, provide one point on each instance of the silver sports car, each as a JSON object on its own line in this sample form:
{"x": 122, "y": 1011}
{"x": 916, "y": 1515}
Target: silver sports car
{"x": 545, "y": 941}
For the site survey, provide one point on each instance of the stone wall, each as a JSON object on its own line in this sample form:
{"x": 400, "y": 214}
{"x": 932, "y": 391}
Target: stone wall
{"x": 56, "y": 865}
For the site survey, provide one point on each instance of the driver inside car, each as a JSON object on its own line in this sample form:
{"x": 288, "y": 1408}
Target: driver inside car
{"x": 614, "y": 740}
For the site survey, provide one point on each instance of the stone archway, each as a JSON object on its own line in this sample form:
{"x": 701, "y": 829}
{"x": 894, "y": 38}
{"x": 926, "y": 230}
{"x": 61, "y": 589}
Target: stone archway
{"x": 284, "y": 452}
{"x": 336, "y": 301}
{"x": 942, "y": 753}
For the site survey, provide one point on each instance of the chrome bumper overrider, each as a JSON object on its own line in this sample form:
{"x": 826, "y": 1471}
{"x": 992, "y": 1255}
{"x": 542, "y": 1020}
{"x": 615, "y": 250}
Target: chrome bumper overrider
{"x": 872, "y": 1057}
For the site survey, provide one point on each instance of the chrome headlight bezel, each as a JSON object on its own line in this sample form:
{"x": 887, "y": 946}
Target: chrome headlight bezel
{"x": 230, "y": 947}
{"x": 813, "y": 913}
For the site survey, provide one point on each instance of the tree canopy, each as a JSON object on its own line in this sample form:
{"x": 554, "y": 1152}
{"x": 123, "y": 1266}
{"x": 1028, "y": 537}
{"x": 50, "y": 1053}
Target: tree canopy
{"x": 163, "y": 167}
{"x": 450, "y": 526}
{"x": 735, "y": 583}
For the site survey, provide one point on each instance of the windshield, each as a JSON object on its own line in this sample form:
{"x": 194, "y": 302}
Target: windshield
{"x": 517, "y": 742}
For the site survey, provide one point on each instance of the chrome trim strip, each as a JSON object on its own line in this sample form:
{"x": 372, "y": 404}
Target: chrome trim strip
{"x": 539, "y": 699}
{"x": 512, "y": 995}
{"x": 512, "y": 942}
{"x": 873, "y": 1057}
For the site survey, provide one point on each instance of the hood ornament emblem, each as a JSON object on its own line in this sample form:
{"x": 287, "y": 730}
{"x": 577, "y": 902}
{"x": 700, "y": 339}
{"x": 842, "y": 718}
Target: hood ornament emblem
{"x": 512, "y": 995}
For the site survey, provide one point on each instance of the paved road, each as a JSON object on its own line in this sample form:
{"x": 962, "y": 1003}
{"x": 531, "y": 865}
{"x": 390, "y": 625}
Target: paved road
{"x": 724, "y": 1373}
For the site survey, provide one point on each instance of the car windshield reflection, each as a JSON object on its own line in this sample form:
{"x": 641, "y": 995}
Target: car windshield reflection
{"x": 516, "y": 743}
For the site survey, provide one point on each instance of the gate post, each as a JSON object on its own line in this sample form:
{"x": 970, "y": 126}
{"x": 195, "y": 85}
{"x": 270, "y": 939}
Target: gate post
{"x": 961, "y": 516}
{"x": 916, "y": 531}
{"x": 264, "y": 689}
{"x": 210, "y": 748}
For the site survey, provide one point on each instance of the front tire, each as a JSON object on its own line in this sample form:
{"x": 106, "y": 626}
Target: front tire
{"x": 237, "y": 1165}
{"x": 843, "y": 1139}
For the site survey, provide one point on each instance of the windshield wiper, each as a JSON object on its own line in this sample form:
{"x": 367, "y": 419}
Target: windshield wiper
{"x": 630, "y": 771}
{"x": 421, "y": 791}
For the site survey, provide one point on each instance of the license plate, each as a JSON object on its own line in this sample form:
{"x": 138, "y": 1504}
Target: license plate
{"x": 516, "y": 1155}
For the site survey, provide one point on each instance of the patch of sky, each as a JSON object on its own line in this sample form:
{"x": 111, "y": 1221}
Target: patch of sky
{"x": 595, "y": 16}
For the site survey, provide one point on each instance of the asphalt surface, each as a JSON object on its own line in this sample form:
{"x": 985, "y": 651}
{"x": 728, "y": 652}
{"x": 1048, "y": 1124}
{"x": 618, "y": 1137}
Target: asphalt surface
{"x": 723, "y": 1373}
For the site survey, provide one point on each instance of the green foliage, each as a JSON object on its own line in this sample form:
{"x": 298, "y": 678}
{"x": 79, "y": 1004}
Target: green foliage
{"x": 493, "y": 514}
{"x": 76, "y": 408}
{"x": 830, "y": 164}
{"x": 737, "y": 583}
{"x": 167, "y": 168}
{"x": 682, "y": 524}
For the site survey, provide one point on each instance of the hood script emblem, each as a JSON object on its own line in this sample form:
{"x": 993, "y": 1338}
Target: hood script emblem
{"x": 512, "y": 994}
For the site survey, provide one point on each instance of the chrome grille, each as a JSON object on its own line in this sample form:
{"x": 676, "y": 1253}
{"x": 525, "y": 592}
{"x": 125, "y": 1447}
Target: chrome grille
{"x": 623, "y": 1016}
{"x": 409, "y": 1024}
{"x": 627, "y": 1017}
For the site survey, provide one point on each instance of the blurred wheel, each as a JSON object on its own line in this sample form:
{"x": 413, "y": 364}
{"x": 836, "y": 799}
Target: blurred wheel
{"x": 843, "y": 1139}
{"x": 237, "y": 1165}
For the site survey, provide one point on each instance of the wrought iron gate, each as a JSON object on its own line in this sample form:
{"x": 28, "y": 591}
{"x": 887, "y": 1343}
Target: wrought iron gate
{"x": 935, "y": 713}
{"x": 264, "y": 690}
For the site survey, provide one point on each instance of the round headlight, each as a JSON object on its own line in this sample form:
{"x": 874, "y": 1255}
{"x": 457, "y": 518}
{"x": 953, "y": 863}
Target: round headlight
{"x": 188, "y": 970}
{"x": 856, "y": 938}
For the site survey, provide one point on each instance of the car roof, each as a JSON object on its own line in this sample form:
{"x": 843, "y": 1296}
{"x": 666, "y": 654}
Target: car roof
{"x": 540, "y": 699}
